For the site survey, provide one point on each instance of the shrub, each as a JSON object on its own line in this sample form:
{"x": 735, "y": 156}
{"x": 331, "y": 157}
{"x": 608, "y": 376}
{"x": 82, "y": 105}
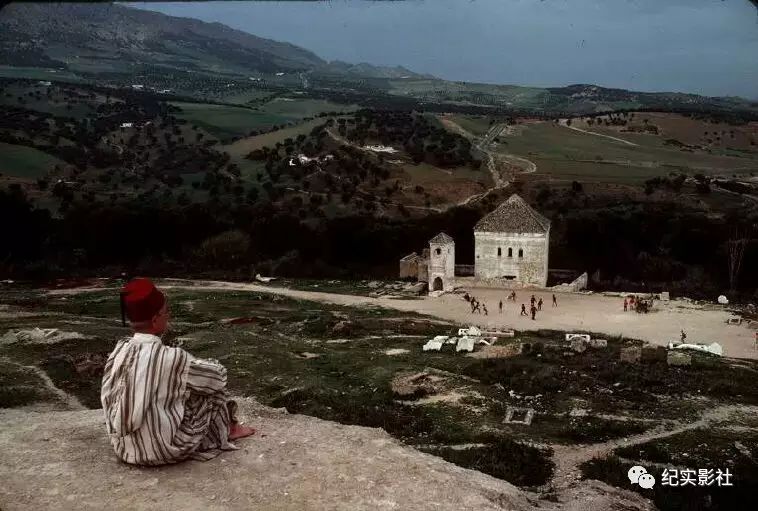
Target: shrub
{"x": 225, "y": 250}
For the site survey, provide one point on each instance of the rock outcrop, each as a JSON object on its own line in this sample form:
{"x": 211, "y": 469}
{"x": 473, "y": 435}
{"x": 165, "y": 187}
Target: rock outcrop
{"x": 62, "y": 460}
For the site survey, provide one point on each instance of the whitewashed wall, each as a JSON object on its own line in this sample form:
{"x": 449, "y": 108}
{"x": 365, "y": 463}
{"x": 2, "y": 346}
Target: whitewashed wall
{"x": 529, "y": 269}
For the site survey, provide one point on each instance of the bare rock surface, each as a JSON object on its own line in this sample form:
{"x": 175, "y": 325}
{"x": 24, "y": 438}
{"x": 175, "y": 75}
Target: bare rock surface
{"x": 62, "y": 460}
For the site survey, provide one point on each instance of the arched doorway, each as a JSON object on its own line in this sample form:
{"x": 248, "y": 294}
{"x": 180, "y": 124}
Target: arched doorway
{"x": 437, "y": 284}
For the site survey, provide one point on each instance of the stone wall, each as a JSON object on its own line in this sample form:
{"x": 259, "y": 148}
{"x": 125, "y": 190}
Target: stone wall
{"x": 577, "y": 284}
{"x": 423, "y": 270}
{"x": 474, "y": 282}
{"x": 491, "y": 258}
{"x": 409, "y": 266}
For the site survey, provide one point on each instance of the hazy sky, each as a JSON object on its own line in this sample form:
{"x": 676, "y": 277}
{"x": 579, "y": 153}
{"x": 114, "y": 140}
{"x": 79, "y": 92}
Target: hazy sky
{"x": 702, "y": 46}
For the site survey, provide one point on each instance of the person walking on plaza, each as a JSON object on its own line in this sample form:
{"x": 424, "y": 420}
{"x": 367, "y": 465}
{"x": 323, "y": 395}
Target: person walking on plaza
{"x": 484, "y": 306}
{"x": 501, "y": 306}
{"x": 626, "y": 305}
{"x": 539, "y": 304}
{"x": 555, "y": 302}
{"x": 534, "y": 312}
{"x": 523, "y": 310}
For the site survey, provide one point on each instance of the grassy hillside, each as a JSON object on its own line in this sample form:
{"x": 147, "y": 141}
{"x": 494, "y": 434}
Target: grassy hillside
{"x": 227, "y": 121}
{"x": 25, "y": 162}
{"x": 563, "y": 153}
{"x": 108, "y": 37}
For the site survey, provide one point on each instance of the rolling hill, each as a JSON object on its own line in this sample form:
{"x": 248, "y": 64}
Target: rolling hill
{"x": 109, "y": 44}
{"x": 78, "y": 36}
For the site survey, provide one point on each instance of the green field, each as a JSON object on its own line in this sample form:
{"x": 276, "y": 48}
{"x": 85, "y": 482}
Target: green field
{"x": 36, "y": 73}
{"x": 562, "y": 152}
{"x": 242, "y": 147}
{"x": 226, "y": 121}
{"x": 248, "y": 96}
{"x": 426, "y": 173}
{"x": 475, "y": 124}
{"x": 298, "y": 108}
{"x": 25, "y": 162}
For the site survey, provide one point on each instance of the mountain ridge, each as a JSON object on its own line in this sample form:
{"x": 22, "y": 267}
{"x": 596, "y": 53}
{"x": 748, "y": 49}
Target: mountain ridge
{"x": 120, "y": 45}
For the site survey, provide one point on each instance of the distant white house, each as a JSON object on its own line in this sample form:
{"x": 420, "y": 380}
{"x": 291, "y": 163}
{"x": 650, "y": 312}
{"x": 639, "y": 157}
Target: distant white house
{"x": 45, "y": 83}
{"x": 279, "y": 74}
{"x": 305, "y": 159}
{"x": 380, "y": 149}
{"x": 137, "y": 86}
{"x": 127, "y": 124}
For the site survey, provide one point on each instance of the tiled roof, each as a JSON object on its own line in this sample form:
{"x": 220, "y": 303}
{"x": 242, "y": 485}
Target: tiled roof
{"x": 513, "y": 215}
{"x": 411, "y": 257}
{"x": 442, "y": 239}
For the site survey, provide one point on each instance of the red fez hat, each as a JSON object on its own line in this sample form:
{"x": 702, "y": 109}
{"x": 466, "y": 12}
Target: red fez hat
{"x": 141, "y": 300}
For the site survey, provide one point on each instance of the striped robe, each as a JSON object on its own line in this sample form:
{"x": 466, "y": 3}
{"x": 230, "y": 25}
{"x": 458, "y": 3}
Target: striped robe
{"x": 162, "y": 405}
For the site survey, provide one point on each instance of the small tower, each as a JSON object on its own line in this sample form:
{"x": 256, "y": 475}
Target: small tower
{"x": 441, "y": 263}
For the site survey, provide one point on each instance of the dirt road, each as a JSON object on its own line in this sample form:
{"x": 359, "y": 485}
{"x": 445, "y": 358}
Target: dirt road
{"x": 563, "y": 123}
{"x": 485, "y": 145}
{"x": 593, "y": 312}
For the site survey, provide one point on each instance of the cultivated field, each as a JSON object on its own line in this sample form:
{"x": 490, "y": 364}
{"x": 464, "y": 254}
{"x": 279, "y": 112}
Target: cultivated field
{"x": 563, "y": 153}
{"x": 243, "y": 146}
{"x": 717, "y": 136}
{"x": 292, "y": 106}
{"x": 226, "y": 121}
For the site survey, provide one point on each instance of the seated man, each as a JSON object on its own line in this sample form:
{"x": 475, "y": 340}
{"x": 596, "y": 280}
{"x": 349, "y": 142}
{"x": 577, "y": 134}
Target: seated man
{"x": 162, "y": 405}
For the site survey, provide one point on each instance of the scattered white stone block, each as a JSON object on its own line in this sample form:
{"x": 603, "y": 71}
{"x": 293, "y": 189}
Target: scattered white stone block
{"x": 571, "y": 337}
{"x": 598, "y": 343}
{"x": 472, "y": 330}
{"x": 433, "y": 345}
{"x": 578, "y": 345}
{"x": 713, "y": 348}
{"x": 465, "y": 344}
{"x": 522, "y": 415}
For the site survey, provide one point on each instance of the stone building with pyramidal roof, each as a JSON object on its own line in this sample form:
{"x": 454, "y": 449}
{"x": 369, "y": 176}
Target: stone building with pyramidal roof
{"x": 512, "y": 243}
{"x": 510, "y": 248}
